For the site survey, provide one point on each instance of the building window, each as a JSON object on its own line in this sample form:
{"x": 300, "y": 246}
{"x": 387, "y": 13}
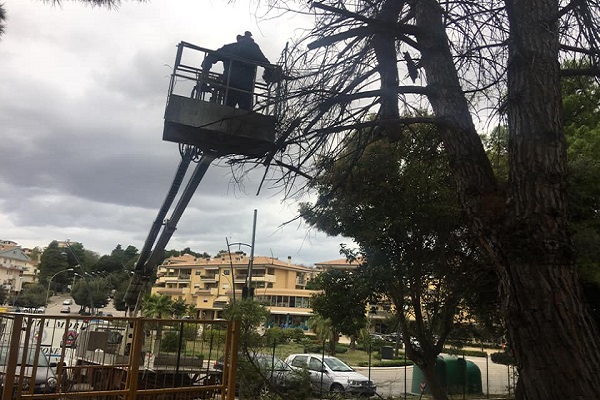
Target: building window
{"x": 198, "y": 272}
{"x": 225, "y": 272}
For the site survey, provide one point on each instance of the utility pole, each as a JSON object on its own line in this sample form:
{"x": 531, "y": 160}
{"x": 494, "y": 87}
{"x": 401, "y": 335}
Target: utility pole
{"x": 251, "y": 261}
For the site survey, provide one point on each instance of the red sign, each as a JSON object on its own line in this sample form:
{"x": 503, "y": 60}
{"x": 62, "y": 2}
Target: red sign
{"x": 70, "y": 338}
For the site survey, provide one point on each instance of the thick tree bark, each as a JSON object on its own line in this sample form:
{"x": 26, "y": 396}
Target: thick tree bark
{"x": 549, "y": 325}
{"x": 435, "y": 388}
{"x": 384, "y": 46}
{"x": 525, "y": 230}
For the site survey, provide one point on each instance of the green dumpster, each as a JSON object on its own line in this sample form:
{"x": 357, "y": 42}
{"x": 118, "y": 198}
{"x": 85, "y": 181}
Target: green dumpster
{"x": 455, "y": 374}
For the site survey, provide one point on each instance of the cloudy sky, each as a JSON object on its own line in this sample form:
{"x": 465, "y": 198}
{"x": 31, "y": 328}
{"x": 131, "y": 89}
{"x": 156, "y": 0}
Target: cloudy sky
{"x": 82, "y": 96}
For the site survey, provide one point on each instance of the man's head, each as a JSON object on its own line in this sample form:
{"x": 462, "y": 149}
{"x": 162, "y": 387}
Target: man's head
{"x": 248, "y": 36}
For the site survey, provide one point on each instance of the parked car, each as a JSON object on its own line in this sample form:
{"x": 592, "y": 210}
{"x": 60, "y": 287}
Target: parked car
{"x": 67, "y": 302}
{"x": 330, "y": 374}
{"x": 65, "y": 309}
{"x": 45, "y": 377}
{"x": 280, "y": 375}
{"x": 377, "y": 336}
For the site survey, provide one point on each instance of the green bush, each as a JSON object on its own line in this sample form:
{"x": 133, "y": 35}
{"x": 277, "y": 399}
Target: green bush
{"x": 463, "y": 352}
{"x": 213, "y": 336}
{"x": 277, "y": 335}
{"x": 504, "y": 358}
{"x": 386, "y": 363}
{"x": 190, "y": 332}
{"x": 297, "y": 335}
{"x": 169, "y": 342}
{"x": 341, "y": 348}
{"x": 312, "y": 345}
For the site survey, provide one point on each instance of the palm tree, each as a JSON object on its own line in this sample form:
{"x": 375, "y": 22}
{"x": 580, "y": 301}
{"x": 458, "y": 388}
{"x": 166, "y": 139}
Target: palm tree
{"x": 180, "y": 308}
{"x": 324, "y": 331}
{"x": 320, "y": 326}
{"x": 157, "y": 306}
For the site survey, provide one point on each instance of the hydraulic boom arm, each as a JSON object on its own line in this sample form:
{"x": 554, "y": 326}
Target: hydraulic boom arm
{"x": 149, "y": 258}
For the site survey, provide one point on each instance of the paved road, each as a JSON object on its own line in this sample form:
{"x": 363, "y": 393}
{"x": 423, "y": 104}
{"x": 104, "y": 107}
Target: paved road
{"x": 390, "y": 381}
{"x": 55, "y": 303}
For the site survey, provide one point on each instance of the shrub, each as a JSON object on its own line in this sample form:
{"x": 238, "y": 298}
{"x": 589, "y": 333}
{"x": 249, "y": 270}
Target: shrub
{"x": 297, "y": 335}
{"x": 190, "y": 331}
{"x": 341, "y": 348}
{"x": 504, "y": 358}
{"x": 463, "y": 352}
{"x": 169, "y": 342}
{"x": 274, "y": 336}
{"x": 213, "y": 335}
{"x": 386, "y": 363}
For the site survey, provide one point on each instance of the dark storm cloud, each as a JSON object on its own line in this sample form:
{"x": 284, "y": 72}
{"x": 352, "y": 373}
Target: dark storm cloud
{"x": 82, "y": 97}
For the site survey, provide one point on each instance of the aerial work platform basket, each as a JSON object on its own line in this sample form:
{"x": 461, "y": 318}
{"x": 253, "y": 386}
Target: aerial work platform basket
{"x": 197, "y": 114}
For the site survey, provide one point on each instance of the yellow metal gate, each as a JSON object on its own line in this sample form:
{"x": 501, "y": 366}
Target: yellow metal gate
{"x": 43, "y": 357}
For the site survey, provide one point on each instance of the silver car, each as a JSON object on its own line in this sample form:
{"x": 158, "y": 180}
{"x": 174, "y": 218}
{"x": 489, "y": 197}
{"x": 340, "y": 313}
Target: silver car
{"x": 330, "y": 374}
{"x": 45, "y": 378}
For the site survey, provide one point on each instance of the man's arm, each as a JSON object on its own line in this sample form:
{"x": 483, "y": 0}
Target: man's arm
{"x": 219, "y": 55}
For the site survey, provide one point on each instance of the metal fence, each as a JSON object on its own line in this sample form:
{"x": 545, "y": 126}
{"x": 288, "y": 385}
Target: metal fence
{"x": 66, "y": 357}
{"x": 43, "y": 357}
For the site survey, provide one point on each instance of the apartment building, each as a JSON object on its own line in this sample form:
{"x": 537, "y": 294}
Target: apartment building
{"x": 13, "y": 263}
{"x": 210, "y": 284}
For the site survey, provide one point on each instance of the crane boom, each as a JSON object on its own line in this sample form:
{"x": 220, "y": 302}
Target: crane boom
{"x": 205, "y": 122}
{"x": 148, "y": 261}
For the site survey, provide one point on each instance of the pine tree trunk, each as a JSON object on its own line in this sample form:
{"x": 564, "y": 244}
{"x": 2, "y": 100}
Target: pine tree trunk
{"x": 433, "y": 384}
{"x": 524, "y": 230}
{"x": 548, "y": 323}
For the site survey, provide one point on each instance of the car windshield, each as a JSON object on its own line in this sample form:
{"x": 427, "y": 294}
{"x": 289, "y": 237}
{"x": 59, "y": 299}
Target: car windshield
{"x": 335, "y": 364}
{"x": 42, "y": 360}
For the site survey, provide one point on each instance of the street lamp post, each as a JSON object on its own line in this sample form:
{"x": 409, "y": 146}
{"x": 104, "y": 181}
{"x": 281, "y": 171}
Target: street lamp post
{"x": 85, "y": 281}
{"x": 50, "y": 282}
{"x": 247, "y": 290}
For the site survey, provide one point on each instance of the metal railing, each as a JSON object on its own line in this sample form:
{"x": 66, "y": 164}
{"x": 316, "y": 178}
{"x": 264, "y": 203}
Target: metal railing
{"x": 189, "y": 79}
{"x": 49, "y": 357}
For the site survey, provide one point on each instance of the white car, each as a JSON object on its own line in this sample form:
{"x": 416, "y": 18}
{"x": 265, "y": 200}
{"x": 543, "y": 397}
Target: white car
{"x": 67, "y": 302}
{"x": 330, "y": 374}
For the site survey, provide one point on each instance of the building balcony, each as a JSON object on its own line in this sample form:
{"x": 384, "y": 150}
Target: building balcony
{"x": 263, "y": 278}
{"x": 12, "y": 266}
{"x": 255, "y": 278}
{"x": 175, "y": 278}
{"x": 208, "y": 278}
{"x": 206, "y": 292}
{"x": 221, "y": 302}
{"x": 167, "y": 290}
